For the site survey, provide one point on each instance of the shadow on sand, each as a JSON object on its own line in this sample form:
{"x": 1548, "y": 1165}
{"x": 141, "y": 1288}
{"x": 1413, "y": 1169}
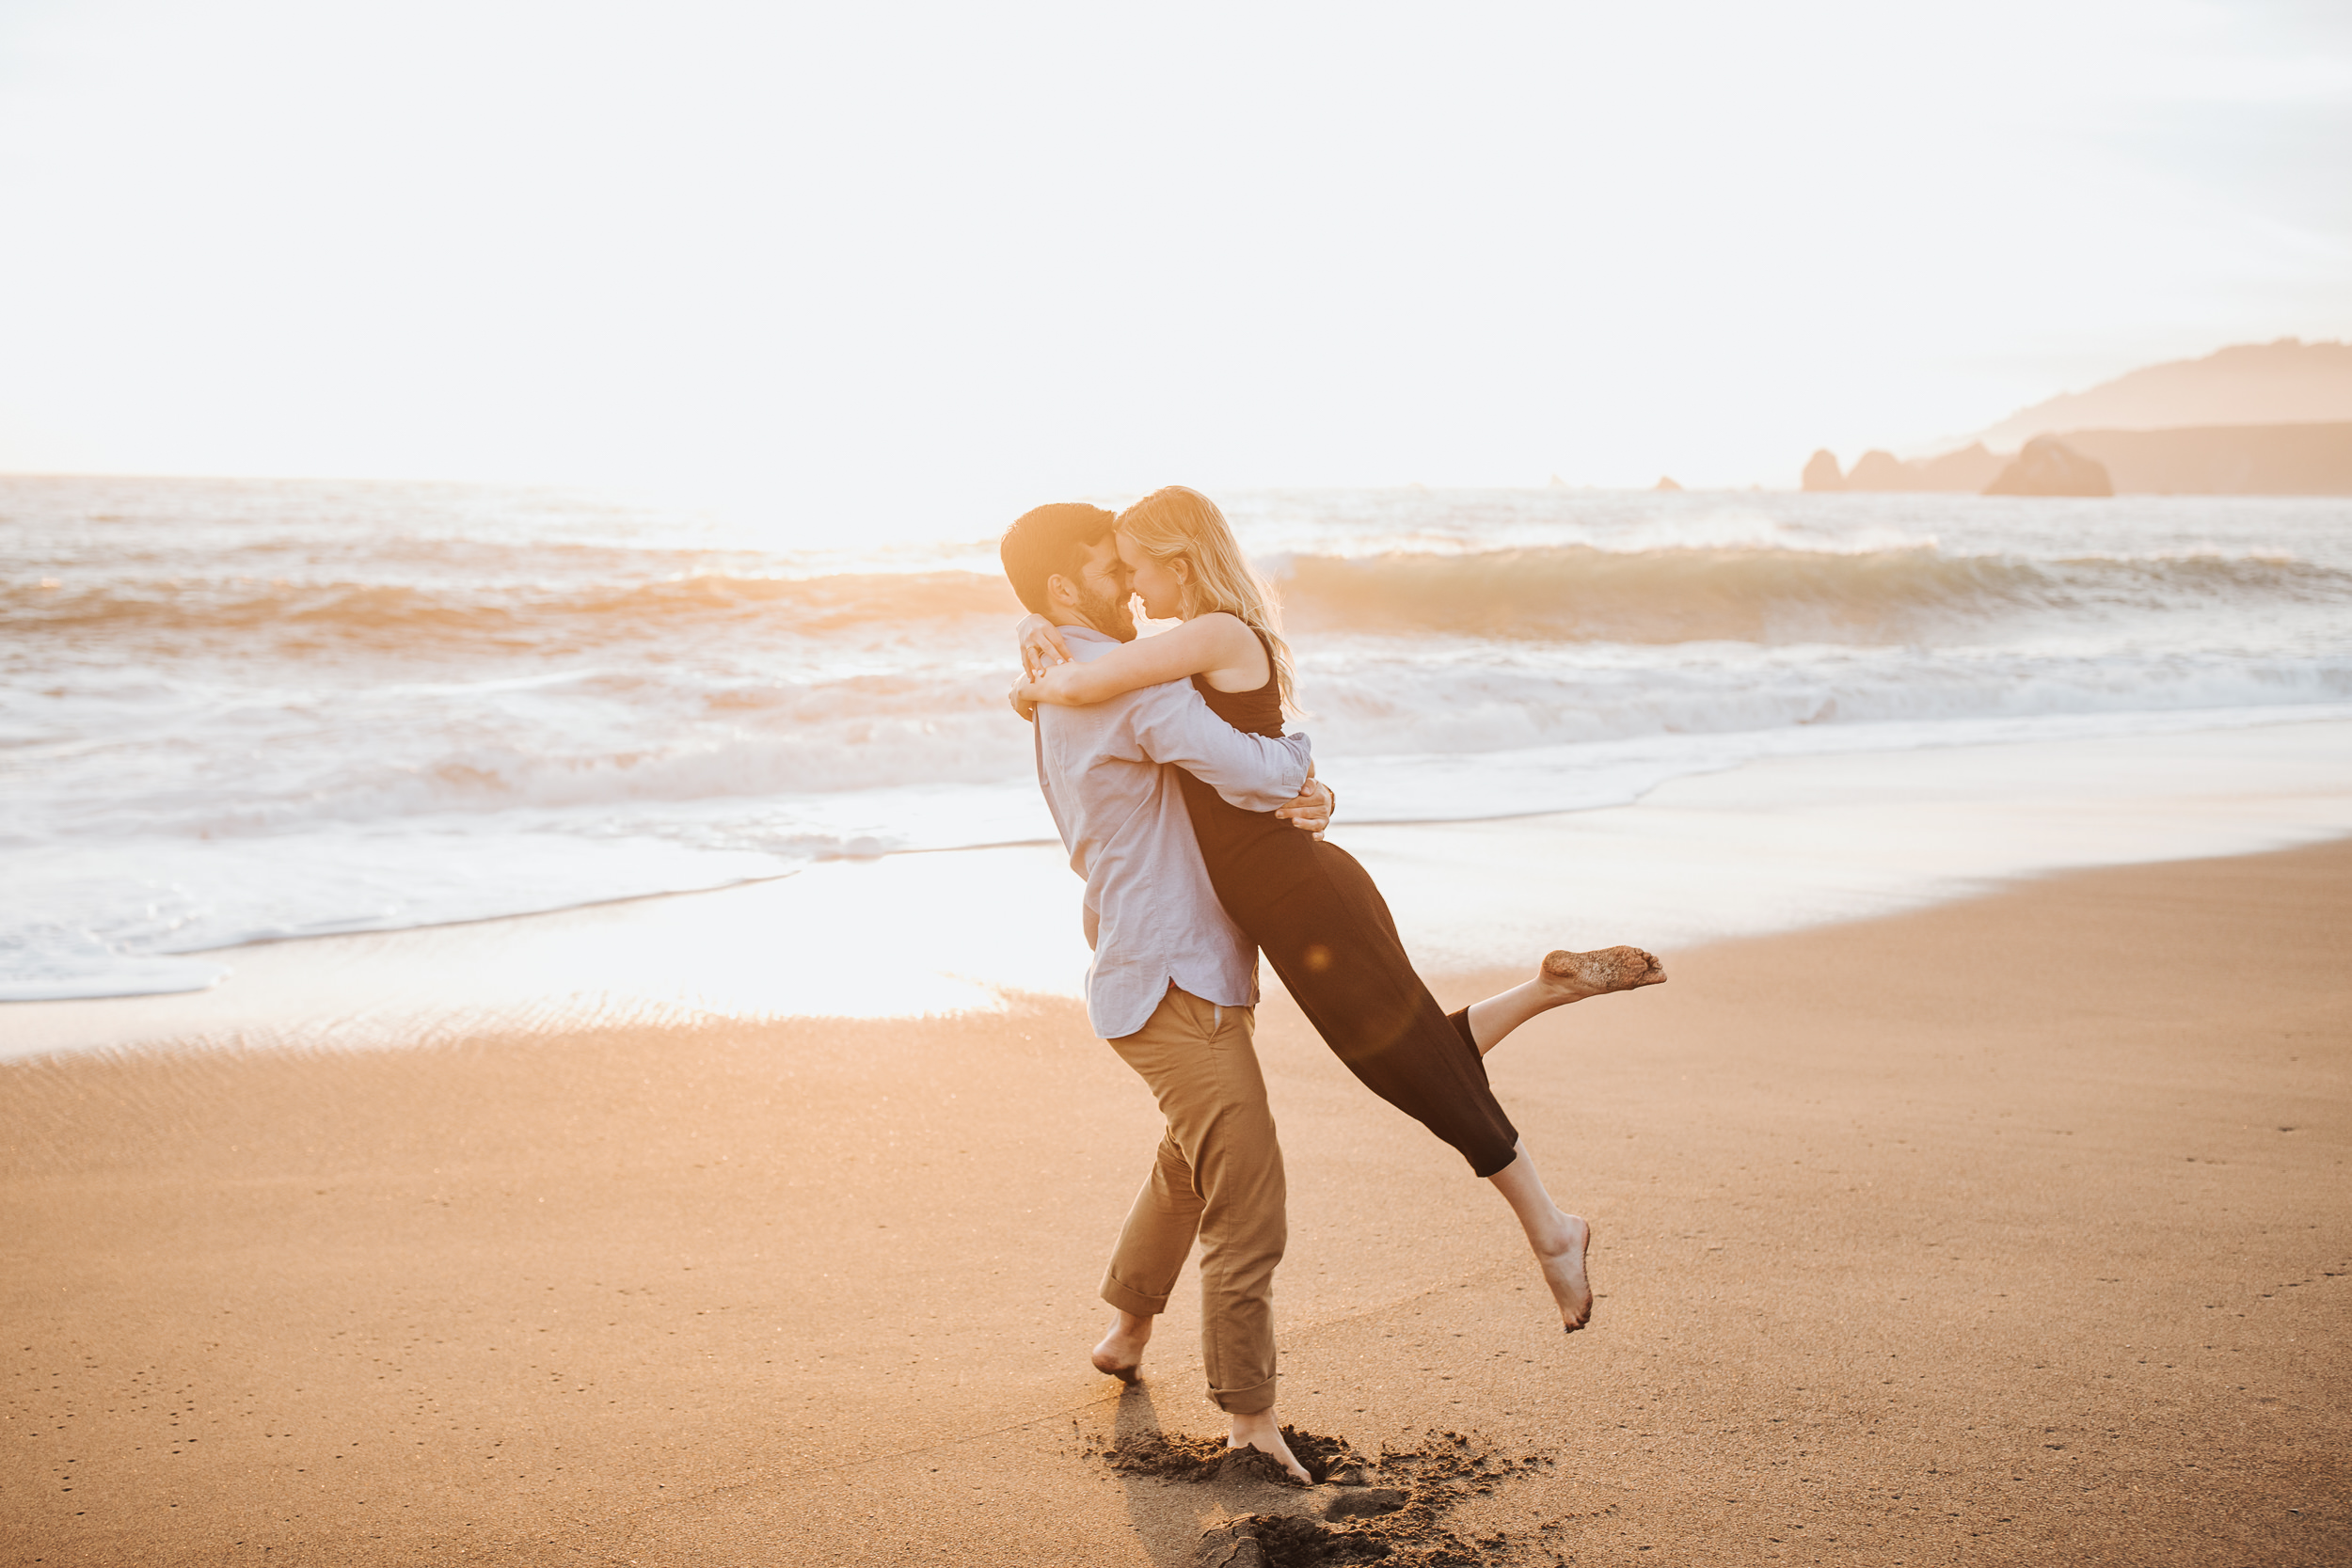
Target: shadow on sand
{"x": 1167, "y": 1516}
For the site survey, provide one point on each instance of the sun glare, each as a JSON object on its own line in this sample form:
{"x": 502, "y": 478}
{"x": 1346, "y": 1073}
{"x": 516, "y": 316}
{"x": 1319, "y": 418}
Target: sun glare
{"x": 893, "y": 267}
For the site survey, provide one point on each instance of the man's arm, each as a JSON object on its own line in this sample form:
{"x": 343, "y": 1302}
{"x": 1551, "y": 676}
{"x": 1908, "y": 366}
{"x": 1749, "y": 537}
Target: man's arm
{"x": 1173, "y": 723}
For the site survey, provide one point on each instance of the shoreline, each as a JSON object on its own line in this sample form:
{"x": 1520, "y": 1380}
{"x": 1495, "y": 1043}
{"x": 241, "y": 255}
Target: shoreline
{"x": 1888, "y": 1254}
{"x": 1776, "y": 845}
{"x": 1382, "y": 792}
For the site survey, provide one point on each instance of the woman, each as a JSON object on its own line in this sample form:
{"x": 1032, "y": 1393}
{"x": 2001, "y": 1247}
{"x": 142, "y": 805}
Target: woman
{"x": 1312, "y": 910}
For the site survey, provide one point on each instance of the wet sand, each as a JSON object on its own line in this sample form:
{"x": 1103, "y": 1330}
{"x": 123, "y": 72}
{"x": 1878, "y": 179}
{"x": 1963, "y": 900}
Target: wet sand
{"x": 2017, "y": 1229}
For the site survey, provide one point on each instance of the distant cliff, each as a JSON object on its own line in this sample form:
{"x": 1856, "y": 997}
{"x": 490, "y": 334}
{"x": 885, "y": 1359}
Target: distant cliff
{"x": 2251, "y": 420}
{"x": 2205, "y": 460}
{"x": 2225, "y": 460}
{"x": 2286, "y": 382}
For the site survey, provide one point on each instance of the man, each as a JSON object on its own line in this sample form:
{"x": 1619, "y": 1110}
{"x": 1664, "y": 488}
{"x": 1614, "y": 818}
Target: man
{"x": 1173, "y": 980}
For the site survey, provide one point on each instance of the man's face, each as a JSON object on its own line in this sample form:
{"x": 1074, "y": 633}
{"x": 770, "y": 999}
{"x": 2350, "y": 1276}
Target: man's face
{"x": 1104, "y": 590}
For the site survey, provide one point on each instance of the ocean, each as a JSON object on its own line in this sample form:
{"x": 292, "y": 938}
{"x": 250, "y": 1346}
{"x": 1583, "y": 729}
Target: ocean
{"x": 235, "y": 711}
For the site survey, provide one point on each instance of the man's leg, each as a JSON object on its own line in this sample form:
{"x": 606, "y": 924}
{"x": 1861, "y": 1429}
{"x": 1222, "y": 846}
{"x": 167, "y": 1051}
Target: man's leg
{"x": 1152, "y": 1246}
{"x": 1219, "y": 1174}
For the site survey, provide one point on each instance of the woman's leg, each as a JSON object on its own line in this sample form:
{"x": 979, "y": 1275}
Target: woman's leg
{"x": 1564, "y": 977}
{"x": 1558, "y": 1238}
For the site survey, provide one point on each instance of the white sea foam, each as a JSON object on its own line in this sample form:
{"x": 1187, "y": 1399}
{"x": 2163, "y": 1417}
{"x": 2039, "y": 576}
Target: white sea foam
{"x": 233, "y": 712}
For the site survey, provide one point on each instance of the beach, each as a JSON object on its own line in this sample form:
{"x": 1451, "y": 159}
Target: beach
{"x": 556, "y": 903}
{"x": 2011, "y": 1229}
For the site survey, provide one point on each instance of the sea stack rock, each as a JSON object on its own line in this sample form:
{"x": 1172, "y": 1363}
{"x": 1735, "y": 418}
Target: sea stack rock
{"x": 1880, "y": 470}
{"x": 1969, "y": 469}
{"x": 1822, "y": 472}
{"x": 2047, "y": 467}
{"x": 1665, "y": 483}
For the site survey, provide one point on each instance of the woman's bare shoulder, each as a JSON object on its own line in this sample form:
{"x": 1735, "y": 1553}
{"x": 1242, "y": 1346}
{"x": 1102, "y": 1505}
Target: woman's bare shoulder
{"x": 1222, "y": 632}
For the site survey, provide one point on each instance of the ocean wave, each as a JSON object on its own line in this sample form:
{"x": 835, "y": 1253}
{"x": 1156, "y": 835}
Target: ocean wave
{"x": 1580, "y": 593}
{"x": 231, "y": 711}
{"x": 1488, "y": 708}
{"x": 1575, "y": 594}
{"x": 470, "y": 617}
{"x": 631, "y": 749}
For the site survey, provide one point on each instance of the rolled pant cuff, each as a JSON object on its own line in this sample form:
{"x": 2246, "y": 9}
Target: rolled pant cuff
{"x": 1245, "y": 1402}
{"x": 1130, "y": 1300}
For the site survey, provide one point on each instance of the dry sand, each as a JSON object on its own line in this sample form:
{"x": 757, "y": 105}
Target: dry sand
{"x": 2011, "y": 1230}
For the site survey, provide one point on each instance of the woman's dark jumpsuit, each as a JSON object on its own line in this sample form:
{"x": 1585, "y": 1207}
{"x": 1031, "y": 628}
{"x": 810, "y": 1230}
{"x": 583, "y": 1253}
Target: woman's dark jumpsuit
{"x": 1315, "y": 914}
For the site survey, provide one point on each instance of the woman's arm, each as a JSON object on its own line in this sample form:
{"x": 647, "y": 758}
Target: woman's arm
{"x": 1202, "y": 645}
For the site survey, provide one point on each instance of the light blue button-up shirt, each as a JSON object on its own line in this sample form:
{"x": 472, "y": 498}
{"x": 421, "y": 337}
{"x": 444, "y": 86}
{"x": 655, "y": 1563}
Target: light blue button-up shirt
{"x": 1150, "y": 915}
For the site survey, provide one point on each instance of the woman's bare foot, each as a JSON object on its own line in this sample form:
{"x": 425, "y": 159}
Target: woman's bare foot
{"x": 1563, "y": 1260}
{"x": 1120, "y": 1353}
{"x": 1263, "y": 1432}
{"x": 1583, "y": 974}
{"x": 1558, "y": 1238}
{"x": 1563, "y": 977}
{"x": 1559, "y": 978}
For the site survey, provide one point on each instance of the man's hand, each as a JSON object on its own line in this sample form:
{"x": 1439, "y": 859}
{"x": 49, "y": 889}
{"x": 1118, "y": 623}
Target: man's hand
{"x": 1311, "y": 809}
{"x": 1022, "y": 702}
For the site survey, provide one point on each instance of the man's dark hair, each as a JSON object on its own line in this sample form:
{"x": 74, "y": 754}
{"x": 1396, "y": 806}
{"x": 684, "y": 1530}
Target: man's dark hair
{"x": 1047, "y": 540}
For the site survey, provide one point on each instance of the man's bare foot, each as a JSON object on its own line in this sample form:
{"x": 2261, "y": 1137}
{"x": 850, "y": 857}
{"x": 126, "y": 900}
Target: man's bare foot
{"x": 1563, "y": 1260}
{"x": 1120, "y": 1353}
{"x": 1263, "y": 1432}
{"x": 1583, "y": 974}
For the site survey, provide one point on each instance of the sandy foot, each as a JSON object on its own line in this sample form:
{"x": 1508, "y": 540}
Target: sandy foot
{"x": 1564, "y": 1271}
{"x": 1583, "y": 975}
{"x": 1263, "y": 1432}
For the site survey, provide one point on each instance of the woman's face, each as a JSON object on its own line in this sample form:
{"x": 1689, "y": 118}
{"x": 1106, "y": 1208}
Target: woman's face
{"x": 1159, "y": 585}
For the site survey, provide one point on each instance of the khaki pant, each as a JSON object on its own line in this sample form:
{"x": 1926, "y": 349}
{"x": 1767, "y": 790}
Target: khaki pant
{"x": 1219, "y": 1175}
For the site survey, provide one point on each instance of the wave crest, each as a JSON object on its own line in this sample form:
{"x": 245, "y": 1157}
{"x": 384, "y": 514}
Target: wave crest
{"x": 530, "y": 617}
{"x": 1579, "y": 594}
{"x": 1572, "y": 593}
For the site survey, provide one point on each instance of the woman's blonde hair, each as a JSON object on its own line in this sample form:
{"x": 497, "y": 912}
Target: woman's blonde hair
{"x": 1176, "y": 522}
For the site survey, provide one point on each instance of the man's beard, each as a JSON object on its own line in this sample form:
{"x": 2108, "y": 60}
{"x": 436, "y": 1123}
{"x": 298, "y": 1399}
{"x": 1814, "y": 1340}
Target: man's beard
{"x": 1109, "y": 616}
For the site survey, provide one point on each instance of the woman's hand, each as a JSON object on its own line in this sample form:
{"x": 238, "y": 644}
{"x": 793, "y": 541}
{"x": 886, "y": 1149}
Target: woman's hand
{"x": 1058, "y": 686}
{"x": 1041, "y": 646}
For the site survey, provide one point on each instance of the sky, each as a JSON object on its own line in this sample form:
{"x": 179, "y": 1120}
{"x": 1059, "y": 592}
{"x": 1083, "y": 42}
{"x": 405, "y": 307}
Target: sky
{"x": 897, "y": 260}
